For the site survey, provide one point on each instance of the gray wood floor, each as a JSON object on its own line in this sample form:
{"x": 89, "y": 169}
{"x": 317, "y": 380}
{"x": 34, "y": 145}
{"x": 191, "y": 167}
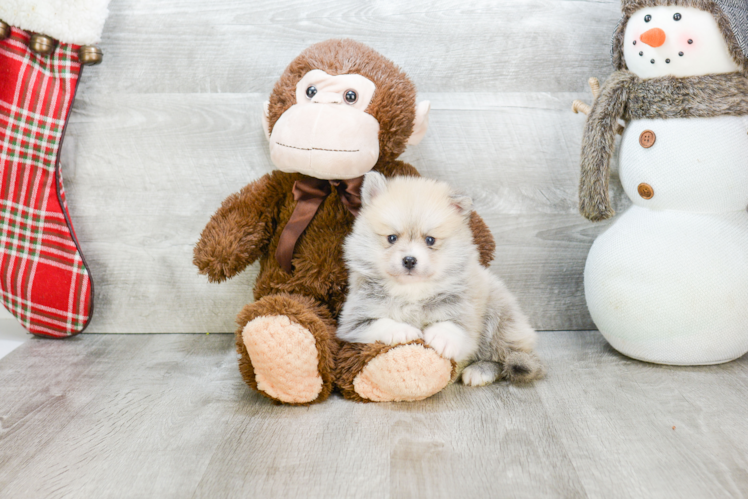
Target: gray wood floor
{"x": 168, "y": 416}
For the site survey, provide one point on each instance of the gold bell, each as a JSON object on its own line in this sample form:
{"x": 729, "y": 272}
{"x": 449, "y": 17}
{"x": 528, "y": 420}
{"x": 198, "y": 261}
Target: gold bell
{"x": 42, "y": 44}
{"x": 4, "y": 30}
{"x": 88, "y": 55}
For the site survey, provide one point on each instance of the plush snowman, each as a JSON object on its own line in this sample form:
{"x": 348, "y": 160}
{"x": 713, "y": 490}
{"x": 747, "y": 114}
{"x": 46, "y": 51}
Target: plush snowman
{"x": 668, "y": 281}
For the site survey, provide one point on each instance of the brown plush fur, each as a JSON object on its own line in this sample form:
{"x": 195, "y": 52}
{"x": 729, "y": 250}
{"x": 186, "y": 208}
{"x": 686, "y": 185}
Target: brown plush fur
{"x": 352, "y": 358}
{"x": 248, "y": 225}
{"x": 631, "y": 6}
{"x": 628, "y": 97}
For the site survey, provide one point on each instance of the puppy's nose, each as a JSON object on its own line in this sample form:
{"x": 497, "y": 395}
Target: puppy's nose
{"x": 409, "y": 262}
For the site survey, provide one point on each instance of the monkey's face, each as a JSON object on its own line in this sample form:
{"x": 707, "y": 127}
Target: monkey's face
{"x": 327, "y": 134}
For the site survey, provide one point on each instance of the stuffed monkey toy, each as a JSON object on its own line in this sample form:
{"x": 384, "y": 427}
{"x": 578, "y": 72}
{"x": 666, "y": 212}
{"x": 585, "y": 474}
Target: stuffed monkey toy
{"x": 339, "y": 110}
{"x": 668, "y": 281}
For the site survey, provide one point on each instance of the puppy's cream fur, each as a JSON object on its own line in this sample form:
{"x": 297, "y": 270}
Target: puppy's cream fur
{"x": 447, "y": 298}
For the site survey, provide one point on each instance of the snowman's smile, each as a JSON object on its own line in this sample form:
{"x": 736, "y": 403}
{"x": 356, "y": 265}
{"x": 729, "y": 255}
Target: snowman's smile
{"x": 652, "y": 39}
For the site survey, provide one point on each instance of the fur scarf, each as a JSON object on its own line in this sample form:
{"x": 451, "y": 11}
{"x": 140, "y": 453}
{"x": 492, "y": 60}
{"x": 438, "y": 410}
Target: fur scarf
{"x": 626, "y": 96}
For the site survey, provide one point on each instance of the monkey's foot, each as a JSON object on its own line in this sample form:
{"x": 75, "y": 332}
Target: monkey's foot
{"x": 405, "y": 372}
{"x": 286, "y": 357}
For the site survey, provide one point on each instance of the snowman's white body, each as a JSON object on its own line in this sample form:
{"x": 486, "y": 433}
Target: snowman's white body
{"x": 668, "y": 282}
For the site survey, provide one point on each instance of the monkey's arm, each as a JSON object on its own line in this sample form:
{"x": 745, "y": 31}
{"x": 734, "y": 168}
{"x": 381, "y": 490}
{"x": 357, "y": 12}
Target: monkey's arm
{"x": 482, "y": 236}
{"x": 239, "y": 232}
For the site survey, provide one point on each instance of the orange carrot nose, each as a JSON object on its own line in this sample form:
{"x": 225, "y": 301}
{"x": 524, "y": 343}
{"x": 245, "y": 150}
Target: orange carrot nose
{"x": 654, "y": 37}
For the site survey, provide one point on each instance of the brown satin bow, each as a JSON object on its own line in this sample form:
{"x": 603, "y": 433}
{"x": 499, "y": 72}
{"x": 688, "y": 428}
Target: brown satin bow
{"x": 309, "y": 194}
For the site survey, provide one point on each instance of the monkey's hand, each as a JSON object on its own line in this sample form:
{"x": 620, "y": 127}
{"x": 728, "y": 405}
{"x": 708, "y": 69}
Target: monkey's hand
{"x": 238, "y": 233}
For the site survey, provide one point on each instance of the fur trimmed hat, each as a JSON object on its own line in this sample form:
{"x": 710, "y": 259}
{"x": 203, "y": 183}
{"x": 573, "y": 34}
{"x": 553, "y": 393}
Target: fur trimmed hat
{"x": 731, "y": 16}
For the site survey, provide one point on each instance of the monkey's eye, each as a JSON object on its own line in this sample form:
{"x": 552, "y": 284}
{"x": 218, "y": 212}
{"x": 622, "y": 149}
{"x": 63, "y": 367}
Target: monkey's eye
{"x": 430, "y": 240}
{"x": 311, "y": 91}
{"x": 647, "y": 18}
{"x": 677, "y": 16}
{"x": 392, "y": 238}
{"x": 351, "y": 96}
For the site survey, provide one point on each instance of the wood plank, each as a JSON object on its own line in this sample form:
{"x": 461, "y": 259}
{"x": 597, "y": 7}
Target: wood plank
{"x": 448, "y": 447}
{"x": 336, "y": 448}
{"x": 147, "y": 429}
{"x": 45, "y": 384}
{"x": 169, "y": 416}
{"x": 679, "y": 431}
{"x": 234, "y": 46}
{"x": 149, "y": 170}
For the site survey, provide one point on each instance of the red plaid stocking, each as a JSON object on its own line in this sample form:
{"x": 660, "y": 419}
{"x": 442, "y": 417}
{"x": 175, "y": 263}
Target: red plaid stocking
{"x": 45, "y": 281}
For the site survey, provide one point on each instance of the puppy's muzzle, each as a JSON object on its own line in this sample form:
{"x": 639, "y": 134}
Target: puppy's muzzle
{"x": 409, "y": 262}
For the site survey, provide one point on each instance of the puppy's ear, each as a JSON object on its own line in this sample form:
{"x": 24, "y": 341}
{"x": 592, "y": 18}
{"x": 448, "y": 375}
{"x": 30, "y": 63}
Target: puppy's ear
{"x": 462, "y": 203}
{"x": 374, "y": 185}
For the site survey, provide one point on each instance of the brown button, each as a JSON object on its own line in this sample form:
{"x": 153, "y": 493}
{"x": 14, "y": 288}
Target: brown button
{"x": 647, "y": 139}
{"x": 645, "y": 191}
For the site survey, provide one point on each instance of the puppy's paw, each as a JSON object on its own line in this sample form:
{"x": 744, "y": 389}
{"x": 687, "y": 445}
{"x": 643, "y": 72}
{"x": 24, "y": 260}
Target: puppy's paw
{"x": 403, "y": 333}
{"x": 481, "y": 373}
{"x": 521, "y": 367}
{"x": 447, "y": 339}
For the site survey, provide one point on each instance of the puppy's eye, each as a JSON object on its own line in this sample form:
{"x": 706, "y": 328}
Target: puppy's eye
{"x": 311, "y": 91}
{"x": 351, "y": 96}
{"x": 392, "y": 238}
{"x": 647, "y": 18}
{"x": 430, "y": 240}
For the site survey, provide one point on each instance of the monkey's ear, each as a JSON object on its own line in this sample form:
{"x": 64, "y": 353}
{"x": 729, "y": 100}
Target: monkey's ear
{"x": 265, "y": 119}
{"x": 374, "y": 185}
{"x": 462, "y": 203}
{"x": 421, "y": 123}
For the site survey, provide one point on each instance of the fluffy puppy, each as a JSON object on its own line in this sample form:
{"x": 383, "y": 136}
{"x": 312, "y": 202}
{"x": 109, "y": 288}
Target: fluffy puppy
{"x": 414, "y": 273}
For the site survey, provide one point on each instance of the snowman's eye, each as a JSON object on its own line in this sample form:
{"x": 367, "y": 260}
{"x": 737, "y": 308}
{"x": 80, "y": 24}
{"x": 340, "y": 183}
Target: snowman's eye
{"x": 647, "y": 18}
{"x": 677, "y": 17}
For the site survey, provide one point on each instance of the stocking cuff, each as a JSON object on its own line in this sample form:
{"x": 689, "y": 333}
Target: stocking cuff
{"x": 78, "y": 22}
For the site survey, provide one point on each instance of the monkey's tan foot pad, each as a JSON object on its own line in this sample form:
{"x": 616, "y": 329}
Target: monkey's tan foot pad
{"x": 406, "y": 372}
{"x": 285, "y": 359}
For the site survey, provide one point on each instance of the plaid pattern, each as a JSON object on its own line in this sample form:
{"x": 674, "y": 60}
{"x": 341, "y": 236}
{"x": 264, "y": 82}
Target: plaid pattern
{"x": 44, "y": 280}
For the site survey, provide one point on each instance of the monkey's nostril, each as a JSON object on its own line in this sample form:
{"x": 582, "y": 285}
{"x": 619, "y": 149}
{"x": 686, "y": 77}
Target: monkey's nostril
{"x": 409, "y": 262}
